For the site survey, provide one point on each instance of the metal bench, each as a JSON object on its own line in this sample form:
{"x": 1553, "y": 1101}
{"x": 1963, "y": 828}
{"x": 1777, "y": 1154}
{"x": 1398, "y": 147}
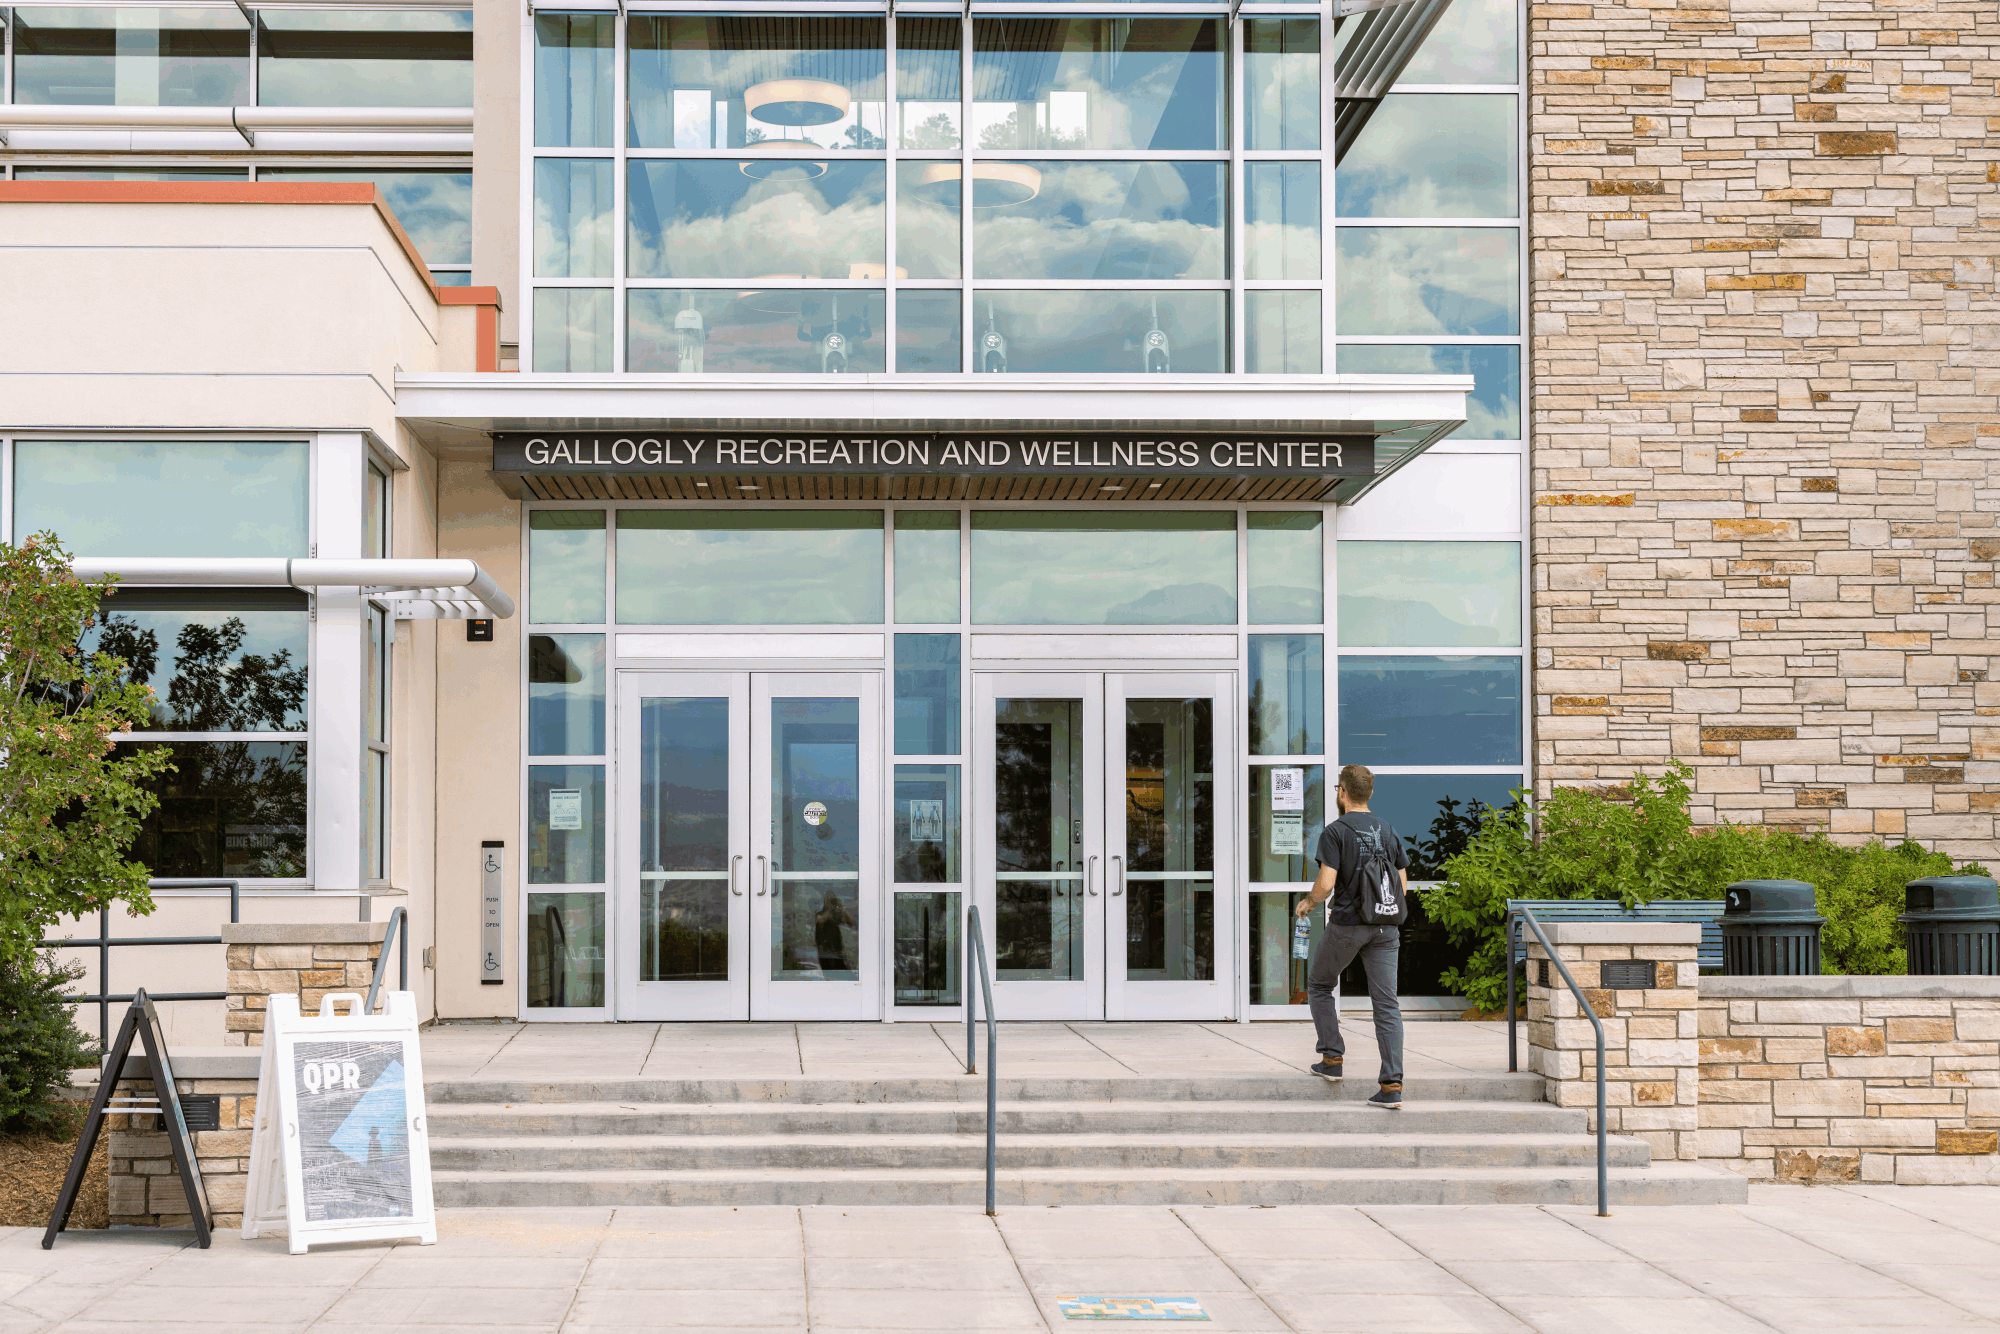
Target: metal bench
{"x": 1706, "y": 912}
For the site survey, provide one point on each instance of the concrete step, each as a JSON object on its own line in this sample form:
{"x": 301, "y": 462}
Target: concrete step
{"x": 1297, "y": 1117}
{"x": 1280, "y": 1086}
{"x": 1664, "y": 1183}
{"x": 1387, "y": 1149}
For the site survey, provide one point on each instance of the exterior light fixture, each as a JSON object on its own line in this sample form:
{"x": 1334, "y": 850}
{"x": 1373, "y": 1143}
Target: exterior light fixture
{"x": 782, "y": 165}
{"x": 994, "y": 184}
{"x": 796, "y": 102}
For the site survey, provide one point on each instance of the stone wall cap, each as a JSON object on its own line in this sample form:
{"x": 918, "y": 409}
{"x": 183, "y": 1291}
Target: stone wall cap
{"x": 199, "y": 1062}
{"x": 1826, "y": 987}
{"x": 1619, "y": 933}
{"x": 303, "y": 933}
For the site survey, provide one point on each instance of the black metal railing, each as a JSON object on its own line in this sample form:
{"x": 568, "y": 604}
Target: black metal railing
{"x": 975, "y": 946}
{"x": 1520, "y": 914}
{"x": 399, "y": 931}
{"x": 105, "y": 942}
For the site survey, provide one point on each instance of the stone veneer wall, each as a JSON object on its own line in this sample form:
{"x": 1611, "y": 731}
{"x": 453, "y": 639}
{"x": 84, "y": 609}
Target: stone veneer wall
{"x": 306, "y": 960}
{"x": 145, "y": 1189}
{"x": 1852, "y": 1078}
{"x": 1651, "y": 1086}
{"x": 1765, "y": 408}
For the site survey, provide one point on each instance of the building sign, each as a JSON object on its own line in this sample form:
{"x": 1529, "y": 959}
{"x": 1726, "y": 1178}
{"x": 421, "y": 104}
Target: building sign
{"x": 985, "y": 454}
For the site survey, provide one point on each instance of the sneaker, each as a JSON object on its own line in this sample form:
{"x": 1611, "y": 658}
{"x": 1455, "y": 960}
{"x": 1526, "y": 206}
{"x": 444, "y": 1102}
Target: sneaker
{"x": 1390, "y": 1097}
{"x": 1327, "y": 1070}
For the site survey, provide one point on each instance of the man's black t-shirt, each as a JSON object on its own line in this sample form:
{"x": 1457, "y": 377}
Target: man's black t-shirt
{"x": 1341, "y": 845}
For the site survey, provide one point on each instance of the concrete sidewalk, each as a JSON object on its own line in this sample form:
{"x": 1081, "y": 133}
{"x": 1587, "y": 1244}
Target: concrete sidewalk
{"x": 1795, "y": 1260}
{"x": 903, "y": 1051}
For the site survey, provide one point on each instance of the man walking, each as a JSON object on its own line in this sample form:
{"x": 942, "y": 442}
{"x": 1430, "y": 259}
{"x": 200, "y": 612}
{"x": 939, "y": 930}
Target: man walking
{"x": 1364, "y": 870}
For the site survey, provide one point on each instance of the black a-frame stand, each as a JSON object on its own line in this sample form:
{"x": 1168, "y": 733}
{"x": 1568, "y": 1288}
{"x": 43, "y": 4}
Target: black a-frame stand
{"x": 143, "y": 1021}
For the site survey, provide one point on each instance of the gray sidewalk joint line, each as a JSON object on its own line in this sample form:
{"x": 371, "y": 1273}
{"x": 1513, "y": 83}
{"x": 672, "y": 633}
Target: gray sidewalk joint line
{"x": 799, "y": 1046}
{"x": 1278, "y": 1061}
{"x": 651, "y": 1047}
{"x": 805, "y": 1267}
{"x": 517, "y": 1030}
{"x": 1020, "y": 1273}
{"x": 1873, "y": 1269}
{"x": 1248, "y": 1286}
{"x": 569, "y": 1308}
{"x": 937, "y": 1031}
{"x": 1094, "y": 1047}
{"x": 1416, "y": 1246}
{"x": 1614, "y": 1245}
{"x": 344, "y": 1292}
{"x": 164, "y": 1257}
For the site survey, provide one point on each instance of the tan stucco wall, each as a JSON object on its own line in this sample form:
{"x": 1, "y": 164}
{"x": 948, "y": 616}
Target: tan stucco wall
{"x": 214, "y": 316}
{"x": 496, "y": 158}
{"x": 479, "y": 745}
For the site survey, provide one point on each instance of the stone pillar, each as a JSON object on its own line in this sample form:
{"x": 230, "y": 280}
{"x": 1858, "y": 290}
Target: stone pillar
{"x": 304, "y": 959}
{"x": 145, "y": 1189}
{"x": 1652, "y": 1072}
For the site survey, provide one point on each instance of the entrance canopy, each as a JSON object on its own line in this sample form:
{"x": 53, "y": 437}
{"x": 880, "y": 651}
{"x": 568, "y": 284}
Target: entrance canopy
{"x": 568, "y": 437}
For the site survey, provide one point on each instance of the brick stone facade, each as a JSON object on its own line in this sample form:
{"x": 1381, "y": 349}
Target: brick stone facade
{"x": 1766, "y": 408}
{"x": 145, "y": 1190}
{"x": 1853, "y": 1078}
{"x": 303, "y": 960}
{"x": 1651, "y": 1089}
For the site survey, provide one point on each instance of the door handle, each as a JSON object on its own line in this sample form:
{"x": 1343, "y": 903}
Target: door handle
{"x": 764, "y": 871}
{"x": 732, "y": 875}
{"x": 1119, "y": 884}
{"x": 1089, "y": 873}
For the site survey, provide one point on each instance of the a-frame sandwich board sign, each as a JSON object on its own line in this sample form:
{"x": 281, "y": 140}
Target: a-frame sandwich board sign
{"x": 340, "y": 1150}
{"x": 143, "y": 1022}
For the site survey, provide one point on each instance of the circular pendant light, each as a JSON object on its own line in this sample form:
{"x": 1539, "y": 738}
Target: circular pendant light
{"x": 994, "y": 184}
{"x": 780, "y": 160}
{"x": 796, "y": 102}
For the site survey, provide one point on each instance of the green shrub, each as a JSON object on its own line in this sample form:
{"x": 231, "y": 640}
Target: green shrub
{"x": 41, "y": 1043}
{"x": 1648, "y": 848}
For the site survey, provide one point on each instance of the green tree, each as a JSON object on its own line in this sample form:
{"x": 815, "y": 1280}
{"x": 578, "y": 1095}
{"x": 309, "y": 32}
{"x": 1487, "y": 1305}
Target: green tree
{"x": 69, "y": 809}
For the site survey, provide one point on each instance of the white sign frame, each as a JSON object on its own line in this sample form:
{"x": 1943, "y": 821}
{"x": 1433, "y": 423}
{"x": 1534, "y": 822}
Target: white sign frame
{"x": 275, "y": 1197}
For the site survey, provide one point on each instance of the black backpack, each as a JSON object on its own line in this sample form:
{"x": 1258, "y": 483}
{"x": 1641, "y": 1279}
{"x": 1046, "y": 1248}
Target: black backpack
{"x": 1382, "y": 902}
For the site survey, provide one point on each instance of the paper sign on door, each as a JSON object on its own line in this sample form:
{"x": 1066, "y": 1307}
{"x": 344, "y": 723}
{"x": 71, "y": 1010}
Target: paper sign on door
{"x": 1288, "y": 789}
{"x": 566, "y": 808}
{"x": 1288, "y": 835}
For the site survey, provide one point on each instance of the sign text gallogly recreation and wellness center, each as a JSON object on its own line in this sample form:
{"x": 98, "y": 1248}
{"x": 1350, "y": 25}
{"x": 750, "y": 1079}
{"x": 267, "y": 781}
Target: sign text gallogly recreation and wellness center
{"x": 989, "y": 453}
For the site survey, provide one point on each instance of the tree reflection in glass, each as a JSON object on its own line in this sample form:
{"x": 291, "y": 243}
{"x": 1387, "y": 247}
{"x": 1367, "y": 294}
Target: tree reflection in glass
{"x": 238, "y": 657}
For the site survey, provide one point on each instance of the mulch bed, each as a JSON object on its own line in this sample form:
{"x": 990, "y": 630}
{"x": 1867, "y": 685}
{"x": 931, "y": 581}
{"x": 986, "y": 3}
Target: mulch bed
{"x": 31, "y": 1176}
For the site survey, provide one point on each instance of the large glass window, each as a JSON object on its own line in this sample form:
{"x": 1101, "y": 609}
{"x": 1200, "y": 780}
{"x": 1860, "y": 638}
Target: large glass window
{"x": 1114, "y": 332}
{"x": 1287, "y": 811}
{"x": 1434, "y": 813}
{"x": 1492, "y": 409}
{"x": 1429, "y": 280}
{"x": 1432, "y": 155}
{"x": 1287, "y": 695}
{"x": 929, "y": 332}
{"x": 763, "y": 331}
{"x": 1430, "y": 594}
{"x": 770, "y": 85}
{"x": 1281, "y": 210}
{"x": 572, "y": 218}
{"x": 927, "y": 82}
{"x": 169, "y": 57}
{"x": 574, "y": 63}
{"x": 1285, "y": 566}
{"x": 565, "y": 824}
{"x": 566, "y": 566}
{"x": 1102, "y": 83}
{"x": 364, "y": 57}
{"x": 1041, "y": 567}
{"x": 927, "y": 567}
{"x": 771, "y": 567}
{"x": 566, "y": 695}
{"x": 565, "y": 964}
{"x": 164, "y": 498}
{"x": 433, "y": 206}
{"x": 1281, "y": 103}
{"x": 928, "y": 219}
{"x": 572, "y": 329}
{"x": 218, "y": 660}
{"x": 710, "y": 219}
{"x": 1430, "y": 710}
{"x": 1095, "y": 221}
{"x": 927, "y": 694}
{"x": 227, "y": 808}
{"x": 927, "y": 822}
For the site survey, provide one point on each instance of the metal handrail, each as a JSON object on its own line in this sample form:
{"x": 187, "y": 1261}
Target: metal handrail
{"x": 398, "y": 919}
{"x": 106, "y": 942}
{"x": 1589, "y": 1012}
{"x": 975, "y": 945}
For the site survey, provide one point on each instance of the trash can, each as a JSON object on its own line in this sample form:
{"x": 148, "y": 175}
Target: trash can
{"x": 1952, "y": 926}
{"x": 1770, "y": 928}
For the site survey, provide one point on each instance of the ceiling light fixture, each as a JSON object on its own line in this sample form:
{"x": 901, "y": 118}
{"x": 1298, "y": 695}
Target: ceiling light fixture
{"x": 796, "y": 102}
{"x": 994, "y": 184}
{"x": 782, "y": 164}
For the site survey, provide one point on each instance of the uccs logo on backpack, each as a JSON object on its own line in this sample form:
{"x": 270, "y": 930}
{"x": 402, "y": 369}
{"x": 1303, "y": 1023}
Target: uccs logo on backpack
{"x": 1382, "y": 900}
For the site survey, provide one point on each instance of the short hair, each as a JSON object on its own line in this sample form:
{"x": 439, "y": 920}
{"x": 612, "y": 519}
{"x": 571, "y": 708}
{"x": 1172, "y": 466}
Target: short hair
{"x": 1357, "y": 782}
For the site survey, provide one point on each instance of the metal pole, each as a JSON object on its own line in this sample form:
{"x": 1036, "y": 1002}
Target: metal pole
{"x": 1590, "y": 1013}
{"x": 971, "y": 999}
{"x": 1513, "y": 934}
{"x": 104, "y": 978}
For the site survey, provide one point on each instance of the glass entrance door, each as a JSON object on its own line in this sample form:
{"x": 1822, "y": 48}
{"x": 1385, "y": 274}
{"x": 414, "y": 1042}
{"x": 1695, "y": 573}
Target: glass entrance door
{"x": 749, "y": 845}
{"x": 1105, "y": 842}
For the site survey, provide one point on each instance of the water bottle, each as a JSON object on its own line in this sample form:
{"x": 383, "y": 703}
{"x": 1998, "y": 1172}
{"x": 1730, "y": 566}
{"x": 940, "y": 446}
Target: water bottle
{"x": 1301, "y": 938}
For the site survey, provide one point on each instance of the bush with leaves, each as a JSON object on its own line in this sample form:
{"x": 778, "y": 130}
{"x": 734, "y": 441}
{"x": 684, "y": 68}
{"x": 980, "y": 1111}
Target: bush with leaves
{"x": 1648, "y": 848}
{"x": 69, "y": 807}
{"x": 39, "y": 1046}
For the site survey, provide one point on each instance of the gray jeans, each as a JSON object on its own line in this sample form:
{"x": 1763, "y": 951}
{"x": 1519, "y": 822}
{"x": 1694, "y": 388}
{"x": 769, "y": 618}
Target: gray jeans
{"x": 1378, "y": 947}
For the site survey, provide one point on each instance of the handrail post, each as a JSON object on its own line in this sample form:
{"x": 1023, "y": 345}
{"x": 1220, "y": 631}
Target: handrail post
{"x": 1513, "y": 936}
{"x": 976, "y": 945}
{"x": 398, "y": 920}
{"x": 1590, "y": 1013}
